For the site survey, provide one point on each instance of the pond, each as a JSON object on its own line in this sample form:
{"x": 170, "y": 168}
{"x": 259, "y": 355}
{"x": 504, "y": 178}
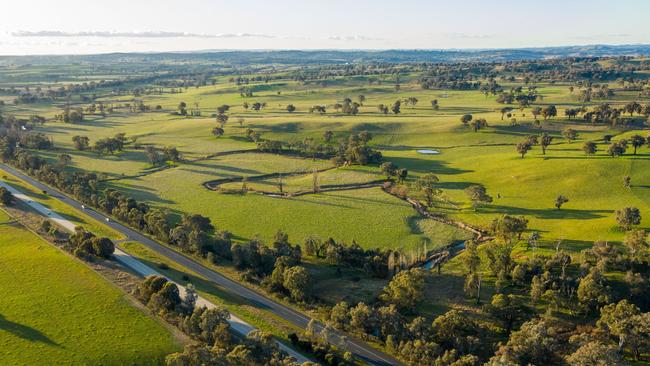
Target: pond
{"x": 428, "y": 152}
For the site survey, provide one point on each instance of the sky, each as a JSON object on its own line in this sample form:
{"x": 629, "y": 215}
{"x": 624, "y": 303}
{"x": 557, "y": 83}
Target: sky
{"x": 90, "y": 27}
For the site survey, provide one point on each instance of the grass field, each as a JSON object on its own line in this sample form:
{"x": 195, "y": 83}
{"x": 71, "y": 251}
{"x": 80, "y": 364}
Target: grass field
{"x": 54, "y": 310}
{"x": 525, "y": 187}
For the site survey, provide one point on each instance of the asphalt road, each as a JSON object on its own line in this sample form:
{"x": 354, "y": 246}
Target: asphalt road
{"x": 358, "y": 348}
{"x": 236, "y": 324}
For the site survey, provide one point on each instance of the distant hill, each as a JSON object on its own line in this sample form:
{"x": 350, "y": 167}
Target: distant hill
{"x": 341, "y": 56}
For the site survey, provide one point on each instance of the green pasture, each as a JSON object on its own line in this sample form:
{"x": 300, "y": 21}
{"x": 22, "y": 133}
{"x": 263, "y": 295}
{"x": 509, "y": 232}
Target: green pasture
{"x": 525, "y": 187}
{"x": 55, "y": 310}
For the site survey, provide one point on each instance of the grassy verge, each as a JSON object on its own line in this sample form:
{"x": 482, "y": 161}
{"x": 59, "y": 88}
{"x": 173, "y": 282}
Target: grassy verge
{"x": 55, "y": 310}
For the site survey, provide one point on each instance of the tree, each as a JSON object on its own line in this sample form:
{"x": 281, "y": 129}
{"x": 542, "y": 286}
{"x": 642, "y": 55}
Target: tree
{"x": 478, "y": 124}
{"x": 190, "y": 297}
{"x": 6, "y": 197}
{"x": 616, "y": 149}
{"x": 396, "y": 107}
{"x": 523, "y": 147}
{"x": 471, "y": 258}
{"x": 171, "y": 153}
{"x": 405, "y": 290}
{"x": 570, "y": 134}
{"x": 636, "y": 243}
{"x": 506, "y": 227}
{"x": 167, "y": 299}
{"x": 626, "y": 322}
{"x": 628, "y": 217}
{"x": 544, "y": 141}
{"x": 402, "y": 173}
{"x": 193, "y": 355}
{"x": 182, "y": 108}
{"x": 560, "y": 200}
{"x": 296, "y": 281}
{"x": 504, "y": 111}
{"x": 589, "y": 148}
{"x": 291, "y": 108}
{"x": 508, "y": 309}
{"x": 152, "y": 155}
{"x": 390, "y": 320}
{"x": 466, "y": 119}
{"x": 218, "y": 131}
{"x": 389, "y": 169}
{"x": 500, "y": 261}
{"x": 549, "y": 112}
{"x": 632, "y": 107}
{"x": 595, "y": 353}
{"x": 472, "y": 286}
{"x": 592, "y": 290}
{"x": 453, "y": 330}
{"x": 103, "y": 247}
{"x": 627, "y": 181}
{"x": 534, "y": 344}
{"x": 477, "y": 194}
{"x": 637, "y": 141}
{"x": 363, "y": 317}
{"x": 222, "y": 109}
{"x": 222, "y": 119}
{"x": 340, "y": 315}
{"x": 81, "y": 143}
{"x": 427, "y": 185}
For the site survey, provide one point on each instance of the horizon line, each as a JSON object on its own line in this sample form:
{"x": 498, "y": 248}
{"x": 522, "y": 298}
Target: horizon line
{"x": 218, "y": 50}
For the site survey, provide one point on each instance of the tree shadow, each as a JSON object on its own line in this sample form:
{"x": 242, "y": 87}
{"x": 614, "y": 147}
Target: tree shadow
{"x": 376, "y": 127}
{"x": 515, "y": 130}
{"x": 316, "y": 202}
{"x": 454, "y": 185}
{"x": 228, "y": 168}
{"x": 425, "y": 165}
{"x": 464, "y": 110}
{"x": 361, "y": 199}
{"x": 141, "y": 193}
{"x": 25, "y": 332}
{"x": 27, "y": 190}
{"x": 549, "y": 213}
{"x": 287, "y": 127}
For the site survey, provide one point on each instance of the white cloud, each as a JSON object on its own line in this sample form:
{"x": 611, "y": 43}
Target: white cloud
{"x": 353, "y": 38}
{"x": 596, "y": 37}
{"x": 468, "y": 36}
{"x": 148, "y": 34}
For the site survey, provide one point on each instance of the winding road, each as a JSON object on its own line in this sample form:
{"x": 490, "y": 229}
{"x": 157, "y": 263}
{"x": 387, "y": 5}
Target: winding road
{"x": 358, "y": 348}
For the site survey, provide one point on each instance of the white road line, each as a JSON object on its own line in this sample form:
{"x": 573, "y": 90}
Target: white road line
{"x": 236, "y": 323}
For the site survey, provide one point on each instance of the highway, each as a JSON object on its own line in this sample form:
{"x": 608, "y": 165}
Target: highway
{"x": 236, "y": 324}
{"x": 359, "y": 349}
